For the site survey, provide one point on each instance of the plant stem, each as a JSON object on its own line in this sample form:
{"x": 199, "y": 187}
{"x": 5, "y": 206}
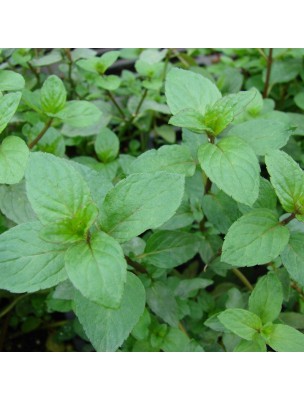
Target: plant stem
{"x": 295, "y": 286}
{"x": 242, "y": 278}
{"x": 35, "y": 72}
{"x": 120, "y": 110}
{"x": 43, "y": 131}
{"x": 139, "y": 106}
{"x": 12, "y": 305}
{"x": 208, "y": 185}
{"x": 138, "y": 267}
{"x": 70, "y": 62}
{"x": 268, "y": 72}
{"x": 288, "y": 219}
{"x": 182, "y": 328}
{"x": 262, "y": 53}
{"x": 181, "y": 58}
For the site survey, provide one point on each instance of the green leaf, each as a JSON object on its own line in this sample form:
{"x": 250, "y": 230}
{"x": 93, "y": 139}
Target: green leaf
{"x": 108, "y": 328}
{"x": 218, "y": 116}
{"x": 263, "y": 135}
{"x": 106, "y": 145}
{"x": 267, "y": 298}
{"x": 284, "y": 71}
{"x": 287, "y": 178}
{"x": 55, "y": 189}
{"x": 10, "y": 80}
{"x": 187, "y": 287}
{"x": 255, "y": 238}
{"x": 14, "y": 155}
{"x": 53, "y": 95}
{"x": 257, "y": 345}
{"x": 168, "y": 249}
{"x": 241, "y": 322}
{"x": 72, "y": 229}
{"x": 108, "y": 82}
{"x": 221, "y": 210}
{"x": 285, "y": 338}
{"x": 161, "y": 300}
{"x": 232, "y": 165}
{"x": 14, "y": 203}
{"x": 49, "y": 59}
{"x": 293, "y": 319}
{"x": 293, "y": 257}
{"x": 299, "y": 100}
{"x": 99, "y": 185}
{"x": 27, "y": 263}
{"x": 79, "y": 113}
{"x": 32, "y": 100}
{"x": 99, "y": 64}
{"x": 8, "y": 106}
{"x": 267, "y": 198}
{"x": 170, "y": 158}
{"x": 186, "y": 89}
{"x": 190, "y": 119}
{"x": 140, "y": 202}
{"x": 98, "y": 269}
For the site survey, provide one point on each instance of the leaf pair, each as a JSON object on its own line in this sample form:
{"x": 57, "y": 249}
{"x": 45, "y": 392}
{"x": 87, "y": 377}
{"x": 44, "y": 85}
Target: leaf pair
{"x": 258, "y": 237}
{"x": 256, "y": 325}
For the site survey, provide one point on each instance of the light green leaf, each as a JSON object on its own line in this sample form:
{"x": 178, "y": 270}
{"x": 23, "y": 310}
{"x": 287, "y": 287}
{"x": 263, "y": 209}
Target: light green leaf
{"x": 27, "y": 263}
{"x": 170, "y": 158}
{"x": 287, "y": 178}
{"x": 8, "y": 106}
{"x": 99, "y": 64}
{"x": 49, "y": 59}
{"x": 186, "y": 89}
{"x": 55, "y": 189}
{"x": 257, "y": 345}
{"x": 267, "y": 298}
{"x": 241, "y": 322}
{"x": 106, "y": 145}
{"x": 98, "y": 269}
{"x": 263, "y": 135}
{"x": 14, "y": 155}
{"x": 293, "y": 257}
{"x": 140, "y": 202}
{"x": 190, "y": 119}
{"x": 108, "y": 82}
{"x": 14, "y": 203}
{"x": 53, "y": 95}
{"x": 32, "y": 100}
{"x": 299, "y": 100}
{"x": 10, "y": 80}
{"x": 79, "y": 113}
{"x": 285, "y": 338}
{"x": 255, "y": 238}
{"x": 284, "y": 71}
{"x": 73, "y": 229}
{"x": 232, "y": 165}
{"x": 218, "y": 116}
{"x": 108, "y": 328}
{"x": 167, "y": 249}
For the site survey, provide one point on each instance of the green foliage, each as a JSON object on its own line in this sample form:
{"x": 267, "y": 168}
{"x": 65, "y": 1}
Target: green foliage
{"x": 136, "y": 187}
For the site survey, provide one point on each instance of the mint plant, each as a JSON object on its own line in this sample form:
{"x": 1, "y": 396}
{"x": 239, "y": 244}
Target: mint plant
{"x": 159, "y": 209}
